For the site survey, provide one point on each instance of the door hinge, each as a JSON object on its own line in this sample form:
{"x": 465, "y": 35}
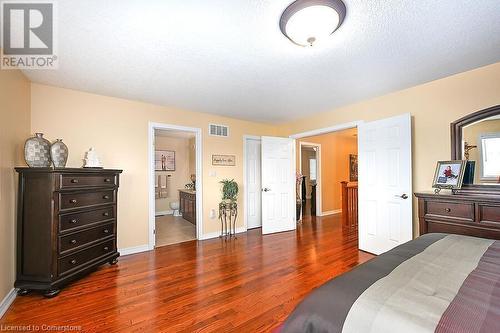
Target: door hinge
{"x": 154, "y": 232}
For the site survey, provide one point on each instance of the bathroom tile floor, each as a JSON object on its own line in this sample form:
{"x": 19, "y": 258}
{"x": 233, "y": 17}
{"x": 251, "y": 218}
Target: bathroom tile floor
{"x": 173, "y": 229}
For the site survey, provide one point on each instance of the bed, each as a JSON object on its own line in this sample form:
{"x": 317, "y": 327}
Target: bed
{"x": 435, "y": 283}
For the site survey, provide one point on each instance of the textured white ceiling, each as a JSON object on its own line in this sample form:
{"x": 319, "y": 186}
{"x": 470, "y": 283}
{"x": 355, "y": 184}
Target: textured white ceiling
{"x": 229, "y": 57}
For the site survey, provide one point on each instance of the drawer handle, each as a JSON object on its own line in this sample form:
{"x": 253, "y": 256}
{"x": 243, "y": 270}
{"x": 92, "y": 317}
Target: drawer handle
{"x": 448, "y": 210}
{"x": 105, "y": 196}
{"x": 105, "y": 214}
{"x": 106, "y": 231}
{"x": 106, "y": 248}
{"x": 73, "y": 201}
{"x": 74, "y": 181}
{"x": 73, "y": 221}
{"x": 73, "y": 262}
{"x": 73, "y": 241}
{"x": 107, "y": 180}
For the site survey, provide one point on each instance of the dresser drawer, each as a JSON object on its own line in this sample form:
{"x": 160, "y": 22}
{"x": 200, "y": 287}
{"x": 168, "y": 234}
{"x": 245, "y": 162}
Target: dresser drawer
{"x": 73, "y": 181}
{"x": 489, "y": 214}
{"x": 451, "y": 210}
{"x": 77, "y": 259}
{"x": 69, "y": 222}
{"x": 86, "y": 199}
{"x": 85, "y": 237}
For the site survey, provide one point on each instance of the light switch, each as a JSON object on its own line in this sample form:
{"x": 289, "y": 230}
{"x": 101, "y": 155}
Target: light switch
{"x": 212, "y": 173}
{"x": 212, "y": 213}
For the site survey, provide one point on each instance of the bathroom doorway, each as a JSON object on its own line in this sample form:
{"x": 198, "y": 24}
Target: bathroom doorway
{"x": 176, "y": 165}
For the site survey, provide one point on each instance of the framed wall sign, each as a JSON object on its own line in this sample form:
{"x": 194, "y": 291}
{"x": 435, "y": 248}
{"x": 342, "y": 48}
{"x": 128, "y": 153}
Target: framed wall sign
{"x": 224, "y": 160}
{"x": 164, "y": 160}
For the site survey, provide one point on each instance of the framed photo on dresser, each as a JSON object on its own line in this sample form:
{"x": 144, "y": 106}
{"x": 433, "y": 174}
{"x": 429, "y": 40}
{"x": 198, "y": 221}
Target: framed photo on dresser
{"x": 449, "y": 174}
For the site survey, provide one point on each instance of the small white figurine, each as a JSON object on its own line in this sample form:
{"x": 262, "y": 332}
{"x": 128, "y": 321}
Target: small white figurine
{"x": 91, "y": 159}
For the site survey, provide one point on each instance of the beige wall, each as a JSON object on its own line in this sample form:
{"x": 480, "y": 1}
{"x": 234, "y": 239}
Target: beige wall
{"x": 335, "y": 150}
{"x": 181, "y": 176}
{"x": 432, "y": 106}
{"x": 471, "y": 134}
{"x": 118, "y": 129}
{"x": 14, "y": 130}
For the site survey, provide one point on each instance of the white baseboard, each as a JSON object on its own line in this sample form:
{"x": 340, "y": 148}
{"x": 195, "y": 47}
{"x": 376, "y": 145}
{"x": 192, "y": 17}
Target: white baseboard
{"x": 331, "y": 212}
{"x": 7, "y": 301}
{"x": 216, "y": 234}
{"x": 164, "y": 212}
{"x": 134, "y": 249}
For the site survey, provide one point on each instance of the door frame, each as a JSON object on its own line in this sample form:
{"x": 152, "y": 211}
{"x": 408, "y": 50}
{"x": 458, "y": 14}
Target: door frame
{"x": 245, "y": 196}
{"x": 319, "y": 207}
{"x": 152, "y": 126}
{"x": 326, "y": 130}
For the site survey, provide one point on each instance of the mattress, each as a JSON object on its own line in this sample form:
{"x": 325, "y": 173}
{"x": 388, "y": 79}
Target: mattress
{"x": 435, "y": 283}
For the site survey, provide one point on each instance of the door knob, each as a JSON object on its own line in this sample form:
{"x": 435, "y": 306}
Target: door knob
{"x": 265, "y": 189}
{"x": 404, "y": 196}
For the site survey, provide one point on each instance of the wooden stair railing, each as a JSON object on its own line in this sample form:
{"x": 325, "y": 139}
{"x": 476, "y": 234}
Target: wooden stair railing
{"x": 349, "y": 205}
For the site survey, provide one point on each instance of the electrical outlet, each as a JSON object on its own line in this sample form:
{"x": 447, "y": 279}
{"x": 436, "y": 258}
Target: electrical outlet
{"x": 212, "y": 213}
{"x": 212, "y": 173}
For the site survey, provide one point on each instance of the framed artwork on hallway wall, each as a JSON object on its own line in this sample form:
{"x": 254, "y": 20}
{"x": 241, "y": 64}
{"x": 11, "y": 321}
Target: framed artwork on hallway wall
{"x": 353, "y": 168}
{"x": 164, "y": 160}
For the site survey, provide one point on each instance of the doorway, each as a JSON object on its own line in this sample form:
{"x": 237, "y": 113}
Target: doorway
{"x": 269, "y": 183}
{"x": 175, "y": 184}
{"x": 309, "y": 166}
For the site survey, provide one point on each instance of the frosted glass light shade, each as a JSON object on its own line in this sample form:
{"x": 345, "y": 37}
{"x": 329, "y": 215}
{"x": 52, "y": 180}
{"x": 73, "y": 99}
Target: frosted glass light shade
{"x": 305, "y": 22}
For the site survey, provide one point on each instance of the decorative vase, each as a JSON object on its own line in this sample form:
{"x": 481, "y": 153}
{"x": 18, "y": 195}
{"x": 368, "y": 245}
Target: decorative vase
{"x": 59, "y": 153}
{"x": 37, "y": 152}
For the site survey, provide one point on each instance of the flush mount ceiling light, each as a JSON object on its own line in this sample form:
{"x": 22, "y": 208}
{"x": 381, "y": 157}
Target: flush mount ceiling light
{"x": 305, "y": 22}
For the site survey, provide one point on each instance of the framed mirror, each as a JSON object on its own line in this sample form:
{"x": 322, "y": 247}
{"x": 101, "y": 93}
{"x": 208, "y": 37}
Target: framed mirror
{"x": 476, "y": 138}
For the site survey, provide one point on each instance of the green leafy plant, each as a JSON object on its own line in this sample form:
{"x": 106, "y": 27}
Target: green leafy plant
{"x": 229, "y": 190}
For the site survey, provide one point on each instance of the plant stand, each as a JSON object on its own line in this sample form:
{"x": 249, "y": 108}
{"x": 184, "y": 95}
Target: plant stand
{"x": 228, "y": 212}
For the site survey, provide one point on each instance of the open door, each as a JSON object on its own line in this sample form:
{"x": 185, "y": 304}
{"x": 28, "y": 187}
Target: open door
{"x": 385, "y": 188}
{"x": 278, "y": 184}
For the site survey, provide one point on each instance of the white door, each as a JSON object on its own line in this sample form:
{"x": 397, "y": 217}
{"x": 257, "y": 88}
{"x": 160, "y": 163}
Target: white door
{"x": 278, "y": 184}
{"x": 385, "y": 190}
{"x": 253, "y": 183}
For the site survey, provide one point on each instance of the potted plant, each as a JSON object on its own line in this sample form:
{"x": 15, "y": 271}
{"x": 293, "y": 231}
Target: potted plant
{"x": 229, "y": 190}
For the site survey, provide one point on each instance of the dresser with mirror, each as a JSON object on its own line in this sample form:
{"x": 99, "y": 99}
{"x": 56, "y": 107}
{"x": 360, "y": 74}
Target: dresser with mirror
{"x": 475, "y": 208}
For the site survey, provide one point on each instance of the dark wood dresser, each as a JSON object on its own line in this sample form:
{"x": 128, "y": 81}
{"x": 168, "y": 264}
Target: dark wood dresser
{"x": 465, "y": 214}
{"x": 187, "y": 200}
{"x": 66, "y": 225}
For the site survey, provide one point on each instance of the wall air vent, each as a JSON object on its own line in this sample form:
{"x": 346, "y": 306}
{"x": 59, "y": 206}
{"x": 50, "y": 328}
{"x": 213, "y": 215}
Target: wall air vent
{"x": 218, "y": 130}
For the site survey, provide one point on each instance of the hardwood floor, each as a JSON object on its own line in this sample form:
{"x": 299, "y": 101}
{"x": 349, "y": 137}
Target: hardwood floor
{"x": 249, "y": 284}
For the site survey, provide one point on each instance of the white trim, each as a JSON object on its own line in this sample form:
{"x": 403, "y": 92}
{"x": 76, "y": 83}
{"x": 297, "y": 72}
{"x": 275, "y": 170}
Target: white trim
{"x": 199, "y": 177}
{"x": 325, "y": 130}
{"x": 332, "y": 212}
{"x": 133, "y": 250}
{"x": 245, "y": 139}
{"x": 7, "y": 301}
{"x": 164, "y": 212}
{"x": 215, "y": 234}
{"x": 319, "y": 198}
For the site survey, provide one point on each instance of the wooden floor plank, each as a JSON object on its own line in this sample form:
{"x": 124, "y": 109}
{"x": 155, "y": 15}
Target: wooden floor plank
{"x": 250, "y": 284}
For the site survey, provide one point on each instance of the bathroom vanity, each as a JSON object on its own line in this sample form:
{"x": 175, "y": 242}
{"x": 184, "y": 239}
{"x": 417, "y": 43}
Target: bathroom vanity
{"x": 187, "y": 200}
